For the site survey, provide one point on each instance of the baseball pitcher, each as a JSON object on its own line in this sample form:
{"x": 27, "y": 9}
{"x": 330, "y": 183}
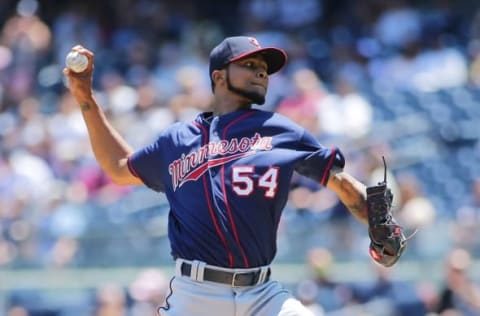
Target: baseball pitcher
{"x": 226, "y": 175}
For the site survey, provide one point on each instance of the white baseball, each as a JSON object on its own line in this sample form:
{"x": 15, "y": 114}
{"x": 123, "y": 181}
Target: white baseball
{"x": 76, "y": 61}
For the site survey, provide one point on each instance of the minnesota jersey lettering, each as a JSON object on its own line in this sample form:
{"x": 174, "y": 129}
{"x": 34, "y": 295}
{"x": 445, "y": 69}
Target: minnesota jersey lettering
{"x": 193, "y": 165}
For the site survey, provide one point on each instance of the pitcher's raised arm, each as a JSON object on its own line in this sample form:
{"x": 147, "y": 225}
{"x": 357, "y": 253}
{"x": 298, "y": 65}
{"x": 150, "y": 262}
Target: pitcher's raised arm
{"x": 109, "y": 147}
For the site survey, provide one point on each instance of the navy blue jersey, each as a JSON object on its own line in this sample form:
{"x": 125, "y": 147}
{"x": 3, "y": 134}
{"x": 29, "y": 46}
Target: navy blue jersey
{"x": 227, "y": 179}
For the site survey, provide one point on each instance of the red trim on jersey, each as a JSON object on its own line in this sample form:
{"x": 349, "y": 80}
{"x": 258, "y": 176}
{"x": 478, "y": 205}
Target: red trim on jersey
{"x": 210, "y": 208}
{"x": 329, "y": 166}
{"x": 131, "y": 168}
{"x": 224, "y": 191}
{"x": 215, "y": 222}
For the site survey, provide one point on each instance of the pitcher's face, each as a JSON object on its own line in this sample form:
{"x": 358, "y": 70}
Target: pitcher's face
{"x": 248, "y": 77}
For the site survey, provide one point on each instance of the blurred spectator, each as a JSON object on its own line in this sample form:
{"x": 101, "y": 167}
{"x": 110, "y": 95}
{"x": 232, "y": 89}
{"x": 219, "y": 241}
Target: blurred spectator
{"x": 28, "y": 38}
{"x": 345, "y": 113}
{"x": 111, "y": 301}
{"x": 17, "y": 311}
{"x": 384, "y": 295}
{"x": 148, "y": 291}
{"x": 303, "y": 105}
{"x": 419, "y": 50}
{"x": 193, "y": 96}
{"x": 459, "y": 294}
{"x": 427, "y": 292}
{"x": 398, "y": 24}
{"x": 285, "y": 14}
{"x": 428, "y": 76}
{"x": 416, "y": 213}
{"x": 307, "y": 293}
{"x": 74, "y": 25}
{"x": 415, "y": 210}
{"x": 467, "y": 220}
{"x": 320, "y": 292}
{"x": 474, "y": 48}
{"x": 474, "y": 70}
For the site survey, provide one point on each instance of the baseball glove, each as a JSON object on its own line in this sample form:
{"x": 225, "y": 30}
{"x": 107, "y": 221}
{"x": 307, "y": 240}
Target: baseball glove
{"x": 387, "y": 239}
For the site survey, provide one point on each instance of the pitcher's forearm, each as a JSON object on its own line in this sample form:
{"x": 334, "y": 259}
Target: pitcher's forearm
{"x": 358, "y": 208}
{"x": 354, "y": 199}
{"x": 109, "y": 148}
{"x": 108, "y": 145}
{"x": 352, "y": 193}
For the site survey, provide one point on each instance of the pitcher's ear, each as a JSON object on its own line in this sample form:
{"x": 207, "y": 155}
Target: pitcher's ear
{"x": 217, "y": 75}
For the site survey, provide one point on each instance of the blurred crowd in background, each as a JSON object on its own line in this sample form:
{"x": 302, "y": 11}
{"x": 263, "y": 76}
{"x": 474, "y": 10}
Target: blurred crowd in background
{"x": 392, "y": 78}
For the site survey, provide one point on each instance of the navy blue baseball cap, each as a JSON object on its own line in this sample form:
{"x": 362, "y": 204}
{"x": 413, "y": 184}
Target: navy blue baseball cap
{"x": 238, "y": 47}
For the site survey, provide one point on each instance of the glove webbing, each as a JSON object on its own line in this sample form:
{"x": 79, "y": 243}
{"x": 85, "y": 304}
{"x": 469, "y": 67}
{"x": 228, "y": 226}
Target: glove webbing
{"x": 379, "y": 204}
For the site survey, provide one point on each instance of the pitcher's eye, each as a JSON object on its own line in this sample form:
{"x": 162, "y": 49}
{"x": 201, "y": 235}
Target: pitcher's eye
{"x": 249, "y": 64}
{"x": 253, "y": 65}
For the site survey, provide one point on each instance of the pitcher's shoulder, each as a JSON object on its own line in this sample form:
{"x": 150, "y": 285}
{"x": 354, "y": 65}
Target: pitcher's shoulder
{"x": 281, "y": 120}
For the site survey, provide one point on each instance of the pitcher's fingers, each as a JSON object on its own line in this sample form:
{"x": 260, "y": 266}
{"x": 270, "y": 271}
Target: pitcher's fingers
{"x": 82, "y": 50}
{"x": 77, "y": 47}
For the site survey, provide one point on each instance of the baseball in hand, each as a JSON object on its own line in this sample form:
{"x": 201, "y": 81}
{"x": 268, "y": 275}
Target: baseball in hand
{"x": 76, "y": 61}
